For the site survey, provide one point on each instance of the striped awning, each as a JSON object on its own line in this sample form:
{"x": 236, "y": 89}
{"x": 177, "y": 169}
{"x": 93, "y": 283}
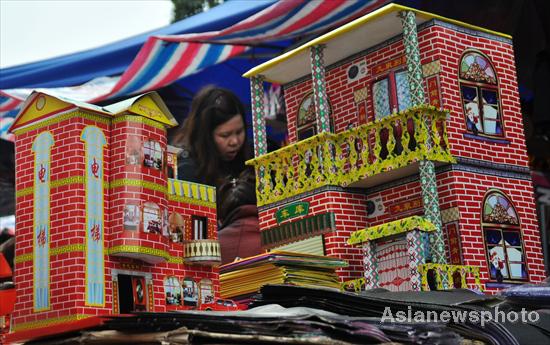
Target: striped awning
{"x": 164, "y": 59}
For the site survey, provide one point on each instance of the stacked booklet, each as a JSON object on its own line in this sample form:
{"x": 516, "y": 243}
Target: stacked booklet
{"x": 244, "y": 277}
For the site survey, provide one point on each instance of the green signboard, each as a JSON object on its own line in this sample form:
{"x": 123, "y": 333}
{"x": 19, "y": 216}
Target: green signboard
{"x": 291, "y": 211}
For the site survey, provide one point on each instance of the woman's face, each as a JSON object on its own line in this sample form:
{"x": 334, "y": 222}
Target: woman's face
{"x": 229, "y": 137}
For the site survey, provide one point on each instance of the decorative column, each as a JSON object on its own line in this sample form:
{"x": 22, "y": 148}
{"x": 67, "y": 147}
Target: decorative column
{"x": 319, "y": 89}
{"x": 427, "y": 168}
{"x": 415, "y": 250}
{"x": 370, "y": 264}
{"x": 258, "y": 116}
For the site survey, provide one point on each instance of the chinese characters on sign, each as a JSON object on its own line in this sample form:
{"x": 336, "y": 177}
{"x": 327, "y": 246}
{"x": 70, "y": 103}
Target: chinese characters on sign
{"x": 292, "y": 211}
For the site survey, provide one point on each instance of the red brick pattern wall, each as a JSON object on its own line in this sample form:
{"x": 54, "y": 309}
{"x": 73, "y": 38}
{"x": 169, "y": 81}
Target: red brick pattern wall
{"x": 350, "y": 215}
{"x": 448, "y": 45}
{"x": 469, "y": 190}
{"x": 67, "y": 219}
{"x": 455, "y": 188}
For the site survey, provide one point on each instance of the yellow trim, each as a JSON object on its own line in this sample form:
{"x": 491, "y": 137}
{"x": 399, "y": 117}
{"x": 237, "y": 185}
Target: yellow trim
{"x": 23, "y": 258}
{"x": 139, "y": 119}
{"x": 68, "y": 180}
{"x": 62, "y": 117}
{"x": 58, "y": 183}
{"x": 191, "y": 201}
{"x": 127, "y": 182}
{"x": 138, "y": 250}
{"x": 70, "y": 248}
{"x": 79, "y": 248}
{"x": 175, "y": 260}
{"x": 357, "y": 23}
{"x": 391, "y": 228}
{"x": 23, "y": 192}
{"x": 48, "y": 322}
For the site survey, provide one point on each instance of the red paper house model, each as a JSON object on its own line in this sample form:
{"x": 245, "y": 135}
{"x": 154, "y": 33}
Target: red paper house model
{"x": 407, "y": 154}
{"x": 101, "y": 226}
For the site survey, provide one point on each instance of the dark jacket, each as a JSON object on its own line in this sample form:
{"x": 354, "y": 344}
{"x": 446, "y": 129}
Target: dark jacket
{"x": 239, "y": 234}
{"x": 188, "y": 170}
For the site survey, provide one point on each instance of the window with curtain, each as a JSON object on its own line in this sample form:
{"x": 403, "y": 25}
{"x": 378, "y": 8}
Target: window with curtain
{"x": 503, "y": 239}
{"x": 391, "y": 94}
{"x": 480, "y": 96}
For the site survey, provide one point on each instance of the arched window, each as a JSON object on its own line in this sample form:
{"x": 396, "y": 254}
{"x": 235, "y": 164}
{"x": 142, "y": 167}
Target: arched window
{"x": 503, "y": 239}
{"x": 207, "y": 295}
{"x": 172, "y": 290}
{"x": 306, "y": 122}
{"x": 480, "y": 97}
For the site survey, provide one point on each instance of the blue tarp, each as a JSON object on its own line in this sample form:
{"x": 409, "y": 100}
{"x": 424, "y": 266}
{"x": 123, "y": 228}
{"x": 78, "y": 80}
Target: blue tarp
{"x": 113, "y": 59}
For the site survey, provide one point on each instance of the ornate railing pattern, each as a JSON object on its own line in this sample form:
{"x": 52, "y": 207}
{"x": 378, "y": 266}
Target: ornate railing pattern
{"x": 347, "y": 157}
{"x": 355, "y": 285}
{"x": 441, "y": 270}
{"x": 204, "y": 252}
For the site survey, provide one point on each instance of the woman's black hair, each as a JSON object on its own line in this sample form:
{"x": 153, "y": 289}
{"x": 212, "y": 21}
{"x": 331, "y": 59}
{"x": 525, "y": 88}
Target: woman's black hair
{"x": 236, "y": 192}
{"x": 211, "y": 107}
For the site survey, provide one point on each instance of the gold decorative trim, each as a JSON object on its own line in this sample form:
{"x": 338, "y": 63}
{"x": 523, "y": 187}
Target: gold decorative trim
{"x": 175, "y": 260}
{"x": 48, "y": 322}
{"x": 126, "y": 182}
{"x": 139, "y": 119}
{"x": 68, "y": 180}
{"x": 23, "y": 258}
{"x": 63, "y": 117}
{"x": 138, "y": 250}
{"x": 23, "y": 192}
{"x": 192, "y": 201}
{"x": 78, "y": 179}
{"x": 70, "y": 248}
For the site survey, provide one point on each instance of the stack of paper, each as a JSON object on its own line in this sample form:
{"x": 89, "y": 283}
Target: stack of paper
{"x": 247, "y": 276}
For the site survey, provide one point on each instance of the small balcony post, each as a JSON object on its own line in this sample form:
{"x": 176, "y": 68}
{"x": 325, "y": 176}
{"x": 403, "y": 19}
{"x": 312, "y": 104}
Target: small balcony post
{"x": 369, "y": 263}
{"x": 427, "y": 168}
{"x": 319, "y": 88}
{"x": 258, "y": 115}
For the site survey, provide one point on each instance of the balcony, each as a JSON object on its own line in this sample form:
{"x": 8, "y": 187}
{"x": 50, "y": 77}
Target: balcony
{"x": 455, "y": 276}
{"x": 364, "y": 156}
{"x": 202, "y": 252}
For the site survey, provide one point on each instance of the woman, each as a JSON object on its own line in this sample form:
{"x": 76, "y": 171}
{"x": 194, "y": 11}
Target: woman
{"x": 213, "y": 138}
{"x": 239, "y": 231}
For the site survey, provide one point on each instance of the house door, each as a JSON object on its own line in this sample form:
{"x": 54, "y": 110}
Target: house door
{"x": 393, "y": 265}
{"x": 132, "y": 293}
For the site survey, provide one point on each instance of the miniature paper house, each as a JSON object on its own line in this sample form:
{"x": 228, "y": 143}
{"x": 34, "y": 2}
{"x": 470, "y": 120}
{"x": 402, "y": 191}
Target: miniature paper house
{"x": 401, "y": 114}
{"x": 101, "y": 229}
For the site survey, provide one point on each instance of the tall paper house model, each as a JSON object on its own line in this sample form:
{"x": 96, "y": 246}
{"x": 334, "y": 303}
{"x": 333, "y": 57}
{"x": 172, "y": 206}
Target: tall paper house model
{"x": 407, "y": 155}
{"x": 101, "y": 226}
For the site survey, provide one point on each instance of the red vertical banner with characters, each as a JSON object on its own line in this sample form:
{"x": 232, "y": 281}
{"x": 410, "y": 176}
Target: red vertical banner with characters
{"x": 455, "y": 250}
{"x": 434, "y": 96}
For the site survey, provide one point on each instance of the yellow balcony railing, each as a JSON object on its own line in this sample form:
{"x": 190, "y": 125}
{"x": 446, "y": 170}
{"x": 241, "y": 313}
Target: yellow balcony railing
{"x": 353, "y": 155}
{"x": 354, "y": 285}
{"x": 456, "y": 276}
{"x": 202, "y": 252}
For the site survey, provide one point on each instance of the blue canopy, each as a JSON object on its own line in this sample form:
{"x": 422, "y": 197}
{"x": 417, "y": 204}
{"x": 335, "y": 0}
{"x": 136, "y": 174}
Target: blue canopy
{"x": 114, "y": 58}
